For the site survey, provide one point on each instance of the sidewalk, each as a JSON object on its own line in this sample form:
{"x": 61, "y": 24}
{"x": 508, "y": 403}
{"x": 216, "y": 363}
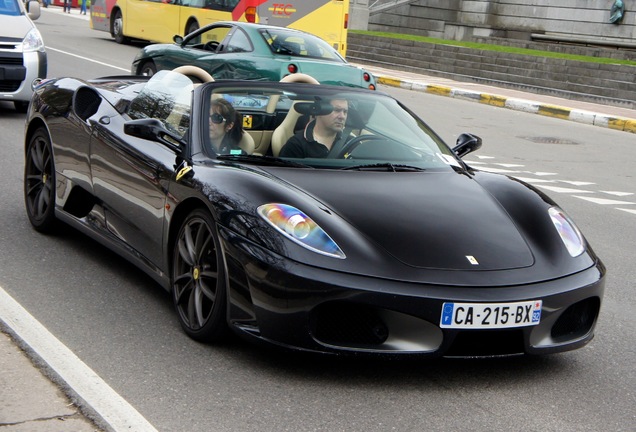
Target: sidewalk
{"x": 29, "y": 401}
{"x": 622, "y": 119}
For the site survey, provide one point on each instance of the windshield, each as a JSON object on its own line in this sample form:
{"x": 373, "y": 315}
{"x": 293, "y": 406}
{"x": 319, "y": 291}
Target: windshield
{"x": 166, "y": 97}
{"x": 320, "y": 126}
{"x": 10, "y": 7}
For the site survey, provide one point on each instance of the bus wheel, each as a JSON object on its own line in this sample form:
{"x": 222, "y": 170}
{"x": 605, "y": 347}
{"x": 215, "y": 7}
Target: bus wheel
{"x": 148, "y": 68}
{"x": 118, "y": 29}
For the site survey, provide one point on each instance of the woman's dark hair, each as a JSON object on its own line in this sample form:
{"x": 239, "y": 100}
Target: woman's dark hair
{"x": 230, "y": 115}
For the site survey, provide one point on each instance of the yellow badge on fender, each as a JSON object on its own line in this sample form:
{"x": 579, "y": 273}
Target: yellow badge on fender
{"x": 247, "y": 121}
{"x": 183, "y": 171}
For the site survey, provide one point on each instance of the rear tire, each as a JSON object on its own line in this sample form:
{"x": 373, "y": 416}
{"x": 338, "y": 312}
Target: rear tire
{"x": 39, "y": 182}
{"x": 118, "y": 29}
{"x": 198, "y": 279}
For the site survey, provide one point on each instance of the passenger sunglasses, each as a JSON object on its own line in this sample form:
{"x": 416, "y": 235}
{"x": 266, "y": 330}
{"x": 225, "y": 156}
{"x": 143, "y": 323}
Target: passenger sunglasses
{"x": 216, "y": 118}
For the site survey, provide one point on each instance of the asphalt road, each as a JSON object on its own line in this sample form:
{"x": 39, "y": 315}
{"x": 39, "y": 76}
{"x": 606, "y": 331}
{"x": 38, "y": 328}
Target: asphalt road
{"x": 122, "y": 325}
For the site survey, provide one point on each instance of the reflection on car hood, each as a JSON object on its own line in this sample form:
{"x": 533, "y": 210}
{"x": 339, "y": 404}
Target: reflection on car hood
{"x": 427, "y": 220}
{"x": 15, "y": 26}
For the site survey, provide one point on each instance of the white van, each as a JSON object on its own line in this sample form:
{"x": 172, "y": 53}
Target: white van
{"x": 22, "y": 54}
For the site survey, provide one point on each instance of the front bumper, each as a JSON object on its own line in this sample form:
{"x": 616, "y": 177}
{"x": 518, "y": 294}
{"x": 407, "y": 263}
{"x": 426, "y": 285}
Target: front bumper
{"x": 292, "y": 305}
{"x": 19, "y": 70}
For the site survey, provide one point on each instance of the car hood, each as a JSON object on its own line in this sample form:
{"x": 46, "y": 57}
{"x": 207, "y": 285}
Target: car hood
{"x": 15, "y": 26}
{"x": 434, "y": 220}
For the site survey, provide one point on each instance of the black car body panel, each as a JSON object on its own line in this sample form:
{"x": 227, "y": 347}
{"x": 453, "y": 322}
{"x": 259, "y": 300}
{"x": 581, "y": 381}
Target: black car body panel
{"x": 426, "y": 232}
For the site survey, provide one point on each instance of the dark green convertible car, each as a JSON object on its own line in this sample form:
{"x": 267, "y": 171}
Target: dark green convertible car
{"x": 245, "y": 51}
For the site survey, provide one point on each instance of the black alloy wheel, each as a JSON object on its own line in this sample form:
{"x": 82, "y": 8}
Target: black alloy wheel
{"x": 39, "y": 182}
{"x": 198, "y": 279}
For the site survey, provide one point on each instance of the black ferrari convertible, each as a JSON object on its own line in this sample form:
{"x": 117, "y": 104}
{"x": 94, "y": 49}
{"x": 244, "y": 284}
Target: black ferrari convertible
{"x": 391, "y": 244}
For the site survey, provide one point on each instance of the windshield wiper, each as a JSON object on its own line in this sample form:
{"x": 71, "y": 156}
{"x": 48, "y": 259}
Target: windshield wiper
{"x": 262, "y": 160}
{"x": 385, "y": 167}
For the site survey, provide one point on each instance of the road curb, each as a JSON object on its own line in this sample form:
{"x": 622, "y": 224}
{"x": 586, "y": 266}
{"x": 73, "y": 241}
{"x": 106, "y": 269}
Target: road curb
{"x": 580, "y": 116}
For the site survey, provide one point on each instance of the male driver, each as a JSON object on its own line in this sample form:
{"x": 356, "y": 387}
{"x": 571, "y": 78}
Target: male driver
{"x": 320, "y": 134}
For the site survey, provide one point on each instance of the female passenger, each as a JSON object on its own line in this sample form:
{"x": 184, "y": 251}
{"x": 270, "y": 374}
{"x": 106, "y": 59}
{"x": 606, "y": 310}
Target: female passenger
{"x": 226, "y": 129}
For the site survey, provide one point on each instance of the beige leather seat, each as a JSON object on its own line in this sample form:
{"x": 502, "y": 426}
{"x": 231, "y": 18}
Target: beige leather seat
{"x": 247, "y": 143}
{"x": 285, "y": 130}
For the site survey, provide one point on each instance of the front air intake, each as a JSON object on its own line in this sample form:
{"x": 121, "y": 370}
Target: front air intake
{"x": 576, "y": 321}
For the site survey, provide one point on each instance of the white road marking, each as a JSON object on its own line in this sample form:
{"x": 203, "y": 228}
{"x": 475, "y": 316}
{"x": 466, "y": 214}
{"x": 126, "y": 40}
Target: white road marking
{"x": 508, "y": 165}
{"x": 563, "y": 190}
{"x": 114, "y": 410}
{"x": 577, "y": 183}
{"x": 88, "y": 59}
{"x": 498, "y": 170}
{"x": 533, "y": 180}
{"x": 475, "y": 162}
{"x": 604, "y": 201}
{"x": 541, "y": 174}
{"x": 615, "y": 193}
{"x": 550, "y": 184}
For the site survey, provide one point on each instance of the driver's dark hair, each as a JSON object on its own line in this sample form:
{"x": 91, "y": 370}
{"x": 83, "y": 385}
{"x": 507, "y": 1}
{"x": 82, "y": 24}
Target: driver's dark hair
{"x": 230, "y": 115}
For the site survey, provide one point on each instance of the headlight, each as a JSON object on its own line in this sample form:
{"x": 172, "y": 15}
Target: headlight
{"x": 33, "y": 41}
{"x": 569, "y": 233}
{"x": 300, "y": 228}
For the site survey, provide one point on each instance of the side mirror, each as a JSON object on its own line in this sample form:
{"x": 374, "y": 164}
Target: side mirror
{"x": 466, "y": 143}
{"x": 153, "y": 130}
{"x": 33, "y": 9}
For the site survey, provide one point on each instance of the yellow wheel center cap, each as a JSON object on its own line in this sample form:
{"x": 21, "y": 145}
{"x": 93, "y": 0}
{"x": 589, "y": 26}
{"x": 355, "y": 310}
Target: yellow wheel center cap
{"x": 195, "y": 273}
{"x": 44, "y": 177}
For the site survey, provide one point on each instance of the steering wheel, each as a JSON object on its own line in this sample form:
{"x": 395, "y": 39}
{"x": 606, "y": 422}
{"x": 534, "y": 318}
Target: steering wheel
{"x": 194, "y": 72}
{"x": 350, "y": 145}
{"x": 211, "y": 46}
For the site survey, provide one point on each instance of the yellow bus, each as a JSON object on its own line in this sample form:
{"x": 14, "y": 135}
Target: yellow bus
{"x": 160, "y": 20}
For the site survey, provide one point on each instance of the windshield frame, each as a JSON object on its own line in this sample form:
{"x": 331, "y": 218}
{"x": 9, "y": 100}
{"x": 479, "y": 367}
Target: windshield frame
{"x": 440, "y": 157}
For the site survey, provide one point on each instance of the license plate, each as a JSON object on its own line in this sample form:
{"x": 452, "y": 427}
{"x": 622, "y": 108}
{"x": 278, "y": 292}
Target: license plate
{"x": 490, "y": 315}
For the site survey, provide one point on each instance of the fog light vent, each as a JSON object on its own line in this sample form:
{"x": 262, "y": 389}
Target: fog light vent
{"x": 576, "y": 321}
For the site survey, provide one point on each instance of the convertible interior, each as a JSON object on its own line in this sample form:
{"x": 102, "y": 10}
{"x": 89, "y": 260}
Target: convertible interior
{"x": 378, "y": 131}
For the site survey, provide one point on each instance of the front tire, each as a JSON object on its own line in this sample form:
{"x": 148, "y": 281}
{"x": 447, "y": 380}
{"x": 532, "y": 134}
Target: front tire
{"x": 39, "y": 182}
{"x": 198, "y": 279}
{"x": 148, "y": 68}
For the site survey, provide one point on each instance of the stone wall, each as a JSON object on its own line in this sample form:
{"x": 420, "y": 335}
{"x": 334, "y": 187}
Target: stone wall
{"x": 601, "y": 83}
{"x": 587, "y": 20}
